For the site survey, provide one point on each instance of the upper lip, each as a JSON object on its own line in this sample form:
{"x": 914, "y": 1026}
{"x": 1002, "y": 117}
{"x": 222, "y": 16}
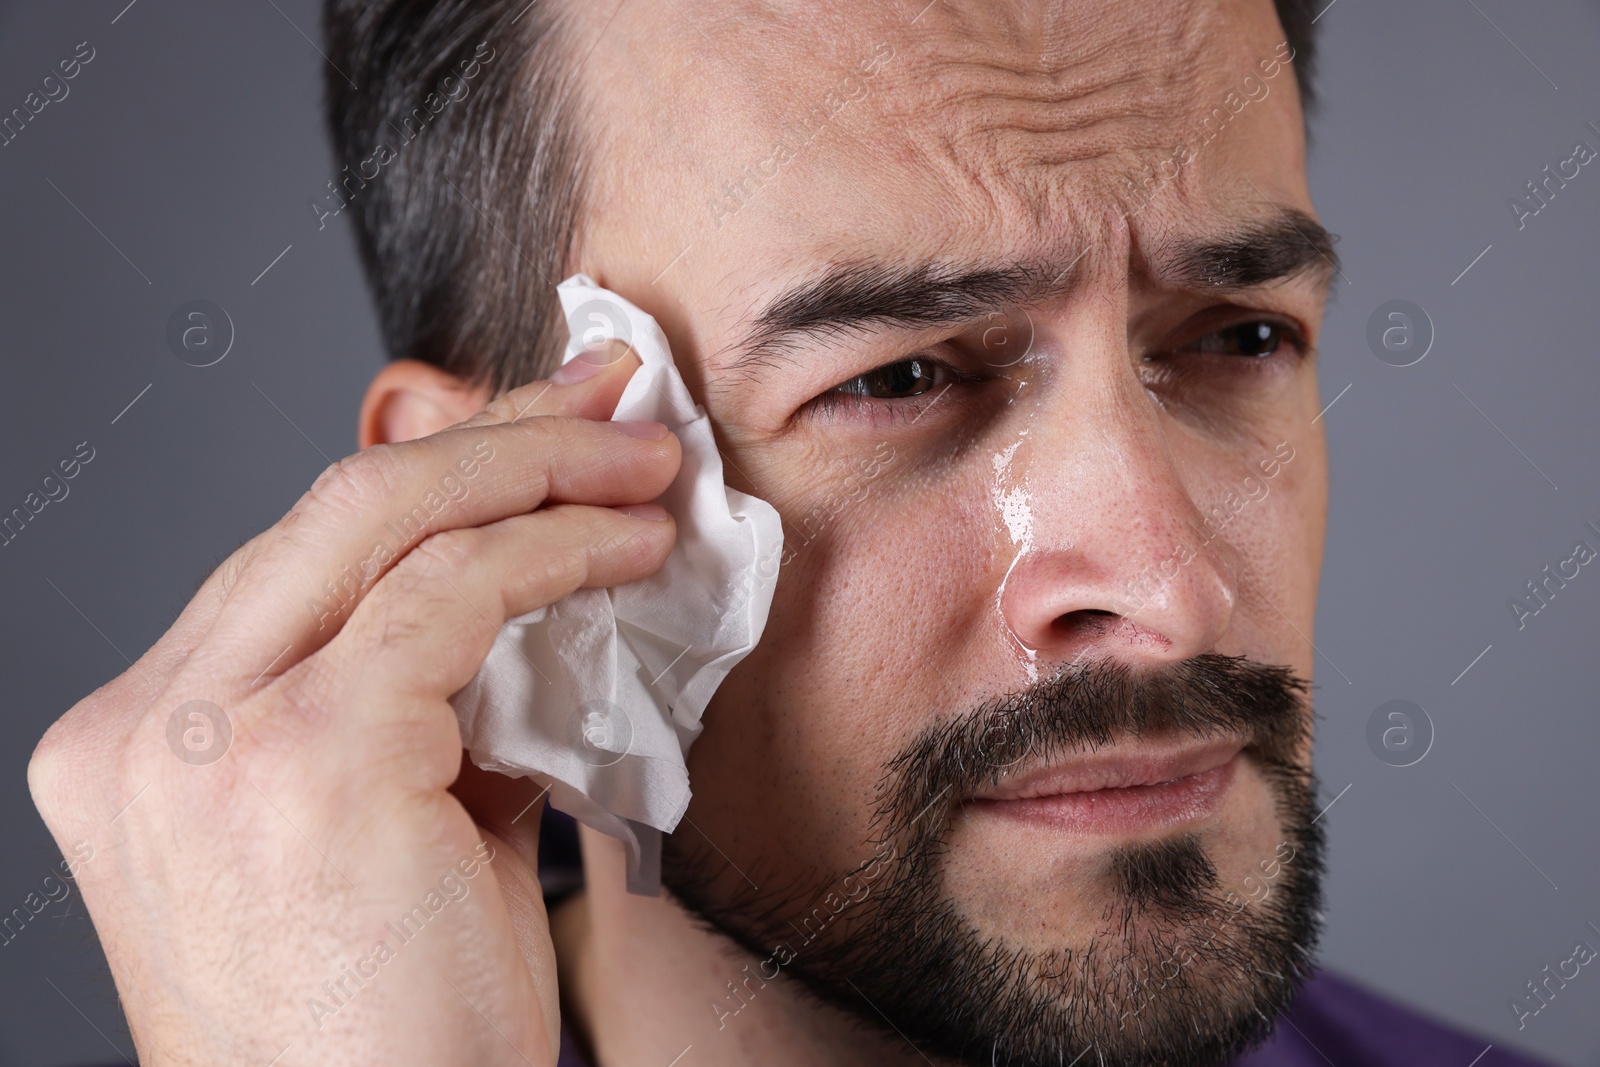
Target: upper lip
{"x": 1115, "y": 767}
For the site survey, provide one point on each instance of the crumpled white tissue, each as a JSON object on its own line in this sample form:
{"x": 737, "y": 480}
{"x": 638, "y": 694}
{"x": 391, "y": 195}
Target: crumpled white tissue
{"x": 600, "y": 694}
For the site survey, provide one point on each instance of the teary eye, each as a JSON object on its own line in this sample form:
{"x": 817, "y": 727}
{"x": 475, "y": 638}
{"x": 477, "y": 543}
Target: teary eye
{"x": 908, "y": 377}
{"x": 1256, "y": 340}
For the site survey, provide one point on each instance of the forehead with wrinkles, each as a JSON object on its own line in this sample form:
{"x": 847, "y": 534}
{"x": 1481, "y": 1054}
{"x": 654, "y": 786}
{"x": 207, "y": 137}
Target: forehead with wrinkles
{"x": 985, "y": 130}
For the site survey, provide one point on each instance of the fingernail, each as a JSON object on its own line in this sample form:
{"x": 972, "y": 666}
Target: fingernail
{"x": 645, "y": 431}
{"x": 583, "y": 366}
{"x": 653, "y": 512}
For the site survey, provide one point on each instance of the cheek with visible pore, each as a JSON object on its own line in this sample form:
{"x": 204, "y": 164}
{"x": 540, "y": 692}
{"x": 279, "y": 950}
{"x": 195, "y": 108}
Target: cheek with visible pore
{"x": 883, "y": 625}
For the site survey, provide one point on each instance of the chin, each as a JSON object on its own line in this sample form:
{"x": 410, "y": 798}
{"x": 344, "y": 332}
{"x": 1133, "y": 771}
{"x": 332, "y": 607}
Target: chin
{"x": 1060, "y": 871}
{"x": 1111, "y": 861}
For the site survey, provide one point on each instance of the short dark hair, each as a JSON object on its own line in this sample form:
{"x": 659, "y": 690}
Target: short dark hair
{"x": 472, "y": 214}
{"x": 1299, "y": 21}
{"x": 470, "y": 220}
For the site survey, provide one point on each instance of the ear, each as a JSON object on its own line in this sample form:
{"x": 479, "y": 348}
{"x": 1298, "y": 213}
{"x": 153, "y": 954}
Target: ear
{"x": 410, "y": 399}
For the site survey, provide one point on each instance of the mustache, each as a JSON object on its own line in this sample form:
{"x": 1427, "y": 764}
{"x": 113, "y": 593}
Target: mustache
{"x": 1086, "y": 706}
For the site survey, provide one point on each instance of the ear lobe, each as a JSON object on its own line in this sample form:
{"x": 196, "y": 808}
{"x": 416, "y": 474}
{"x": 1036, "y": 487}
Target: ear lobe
{"x": 409, "y": 399}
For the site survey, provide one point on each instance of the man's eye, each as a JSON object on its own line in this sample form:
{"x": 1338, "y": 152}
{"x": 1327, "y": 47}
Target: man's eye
{"x": 909, "y": 377}
{"x": 1255, "y": 340}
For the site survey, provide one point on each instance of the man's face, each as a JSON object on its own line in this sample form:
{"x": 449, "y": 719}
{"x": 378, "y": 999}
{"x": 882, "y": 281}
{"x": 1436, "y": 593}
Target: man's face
{"x": 1008, "y": 310}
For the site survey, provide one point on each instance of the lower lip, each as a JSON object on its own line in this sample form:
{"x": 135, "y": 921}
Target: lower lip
{"x": 1110, "y": 811}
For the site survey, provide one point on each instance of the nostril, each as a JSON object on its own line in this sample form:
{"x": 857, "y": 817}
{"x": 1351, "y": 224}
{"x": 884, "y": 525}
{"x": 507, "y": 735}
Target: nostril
{"x": 1108, "y": 629}
{"x": 1083, "y": 626}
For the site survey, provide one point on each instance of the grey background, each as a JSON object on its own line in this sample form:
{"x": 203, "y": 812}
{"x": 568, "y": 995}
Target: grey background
{"x": 192, "y": 142}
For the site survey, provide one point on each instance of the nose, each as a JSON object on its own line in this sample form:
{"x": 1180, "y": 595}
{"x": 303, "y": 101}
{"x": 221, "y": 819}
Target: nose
{"x": 1118, "y": 562}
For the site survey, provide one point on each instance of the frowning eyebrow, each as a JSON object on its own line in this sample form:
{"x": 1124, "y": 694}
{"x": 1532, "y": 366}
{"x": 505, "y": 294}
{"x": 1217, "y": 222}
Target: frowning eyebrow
{"x": 1254, "y": 256}
{"x": 852, "y": 298}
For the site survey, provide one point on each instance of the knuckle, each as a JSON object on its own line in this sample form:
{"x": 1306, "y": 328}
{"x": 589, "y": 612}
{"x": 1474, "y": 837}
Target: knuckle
{"x": 562, "y": 442}
{"x": 545, "y": 440}
{"x": 394, "y": 617}
{"x": 356, "y": 483}
{"x": 226, "y": 575}
{"x": 563, "y": 567}
{"x": 447, "y": 554}
{"x": 49, "y": 770}
{"x": 442, "y": 650}
{"x": 233, "y": 568}
{"x": 557, "y": 435}
{"x": 644, "y": 549}
{"x": 69, "y": 764}
{"x": 415, "y": 606}
{"x": 518, "y": 403}
{"x": 640, "y": 546}
{"x": 399, "y": 627}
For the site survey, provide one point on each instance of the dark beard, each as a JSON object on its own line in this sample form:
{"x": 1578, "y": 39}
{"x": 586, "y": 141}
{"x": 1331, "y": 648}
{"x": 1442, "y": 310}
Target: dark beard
{"x": 1195, "y": 971}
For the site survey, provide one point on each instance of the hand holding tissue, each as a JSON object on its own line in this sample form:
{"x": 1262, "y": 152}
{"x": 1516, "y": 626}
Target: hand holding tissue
{"x": 600, "y": 695}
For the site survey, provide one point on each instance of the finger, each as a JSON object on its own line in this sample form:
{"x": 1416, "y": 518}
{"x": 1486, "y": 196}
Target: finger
{"x": 586, "y": 387}
{"x": 426, "y": 628}
{"x": 369, "y": 511}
